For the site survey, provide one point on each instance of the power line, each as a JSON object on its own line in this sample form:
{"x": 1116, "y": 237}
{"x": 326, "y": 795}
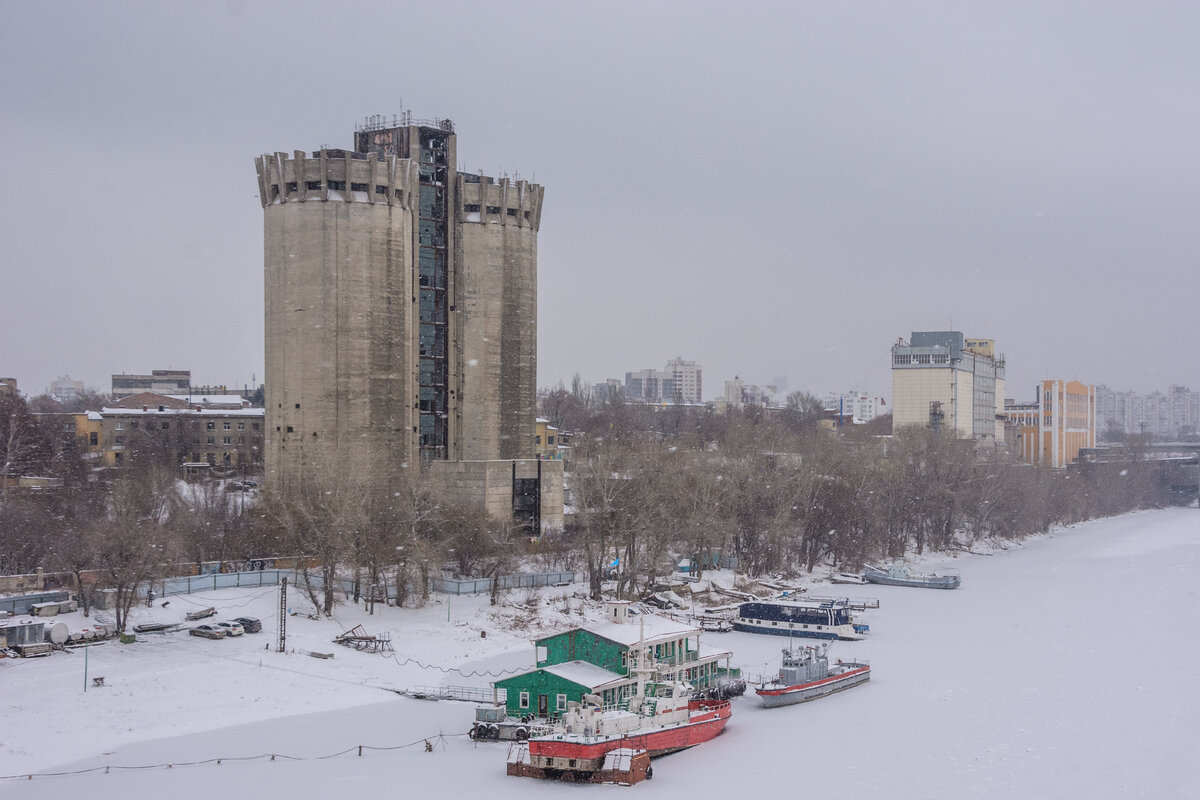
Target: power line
{"x": 428, "y": 741}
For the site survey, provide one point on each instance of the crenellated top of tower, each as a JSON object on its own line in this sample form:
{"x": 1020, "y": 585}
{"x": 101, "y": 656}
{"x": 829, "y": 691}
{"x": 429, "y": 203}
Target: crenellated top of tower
{"x": 500, "y": 201}
{"x": 336, "y": 175}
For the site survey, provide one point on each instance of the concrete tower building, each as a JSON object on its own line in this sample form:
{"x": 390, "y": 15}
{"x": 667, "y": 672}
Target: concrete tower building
{"x": 401, "y": 316}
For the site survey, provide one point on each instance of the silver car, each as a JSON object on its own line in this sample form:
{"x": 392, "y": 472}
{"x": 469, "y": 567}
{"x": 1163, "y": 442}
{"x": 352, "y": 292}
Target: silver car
{"x": 208, "y": 631}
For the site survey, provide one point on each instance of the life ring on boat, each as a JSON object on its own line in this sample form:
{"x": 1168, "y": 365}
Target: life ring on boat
{"x": 473, "y": 733}
{"x": 522, "y": 734}
{"x": 649, "y": 772}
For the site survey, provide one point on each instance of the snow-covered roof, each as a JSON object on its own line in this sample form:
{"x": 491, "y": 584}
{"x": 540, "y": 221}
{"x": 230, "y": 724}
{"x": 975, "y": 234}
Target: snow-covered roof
{"x": 705, "y": 651}
{"x": 657, "y": 629}
{"x": 203, "y": 412}
{"x": 203, "y": 399}
{"x": 94, "y": 416}
{"x": 585, "y": 674}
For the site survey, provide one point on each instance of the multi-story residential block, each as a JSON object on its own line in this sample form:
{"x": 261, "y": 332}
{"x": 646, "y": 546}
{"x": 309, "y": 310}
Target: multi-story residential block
{"x": 644, "y": 386}
{"x": 679, "y": 382}
{"x": 854, "y": 405}
{"x": 942, "y": 380}
{"x": 607, "y": 391}
{"x": 739, "y": 394}
{"x": 1173, "y": 415}
{"x": 8, "y": 386}
{"x": 1052, "y": 430}
{"x": 683, "y": 382}
{"x": 401, "y": 319}
{"x": 64, "y": 389}
{"x": 182, "y": 433}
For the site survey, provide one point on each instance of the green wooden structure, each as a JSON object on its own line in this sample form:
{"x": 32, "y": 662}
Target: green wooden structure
{"x": 594, "y": 659}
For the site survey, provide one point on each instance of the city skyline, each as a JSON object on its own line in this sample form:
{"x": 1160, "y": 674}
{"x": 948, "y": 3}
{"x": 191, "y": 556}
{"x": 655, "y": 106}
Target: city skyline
{"x": 835, "y": 179}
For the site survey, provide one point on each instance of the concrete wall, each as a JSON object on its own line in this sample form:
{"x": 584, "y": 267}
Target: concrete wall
{"x": 496, "y": 303}
{"x": 340, "y": 288}
{"x": 490, "y": 482}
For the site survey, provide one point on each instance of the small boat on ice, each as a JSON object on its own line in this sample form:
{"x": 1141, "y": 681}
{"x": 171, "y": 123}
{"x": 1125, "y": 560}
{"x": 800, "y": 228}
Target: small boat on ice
{"x": 900, "y": 575}
{"x": 847, "y": 577}
{"x": 805, "y": 675}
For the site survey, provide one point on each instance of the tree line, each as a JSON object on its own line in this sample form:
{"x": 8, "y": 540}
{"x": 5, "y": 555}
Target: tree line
{"x": 645, "y": 486}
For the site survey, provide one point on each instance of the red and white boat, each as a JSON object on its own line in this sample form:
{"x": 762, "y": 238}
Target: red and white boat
{"x": 805, "y": 674}
{"x": 659, "y": 718}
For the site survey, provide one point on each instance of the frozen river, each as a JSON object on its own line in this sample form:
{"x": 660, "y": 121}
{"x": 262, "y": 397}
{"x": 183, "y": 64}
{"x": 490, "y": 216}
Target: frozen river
{"x": 1063, "y": 668}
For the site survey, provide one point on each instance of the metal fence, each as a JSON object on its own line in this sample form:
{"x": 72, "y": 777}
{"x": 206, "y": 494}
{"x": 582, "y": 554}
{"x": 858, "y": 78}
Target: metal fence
{"x": 23, "y": 604}
{"x": 189, "y": 584}
{"x": 519, "y": 581}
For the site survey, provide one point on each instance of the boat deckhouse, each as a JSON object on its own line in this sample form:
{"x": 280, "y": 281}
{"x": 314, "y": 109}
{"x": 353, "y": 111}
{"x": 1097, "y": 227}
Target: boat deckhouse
{"x": 594, "y": 659}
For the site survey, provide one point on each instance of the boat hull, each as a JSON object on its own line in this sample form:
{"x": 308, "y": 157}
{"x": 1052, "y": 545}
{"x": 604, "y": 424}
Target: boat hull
{"x": 842, "y": 632}
{"x": 707, "y": 723}
{"x": 773, "y": 697}
{"x": 926, "y": 582}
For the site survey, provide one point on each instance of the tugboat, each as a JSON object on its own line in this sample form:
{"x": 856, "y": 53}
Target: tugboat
{"x": 900, "y": 575}
{"x": 805, "y": 675}
{"x": 659, "y": 718}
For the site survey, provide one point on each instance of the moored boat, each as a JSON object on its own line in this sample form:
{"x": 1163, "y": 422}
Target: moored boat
{"x": 900, "y": 575}
{"x": 820, "y": 619}
{"x": 660, "y": 717}
{"x": 805, "y": 675}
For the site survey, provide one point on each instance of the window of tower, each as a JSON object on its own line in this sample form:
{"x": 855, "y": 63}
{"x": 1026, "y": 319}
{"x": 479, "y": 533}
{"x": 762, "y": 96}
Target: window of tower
{"x": 432, "y": 307}
{"x": 432, "y": 340}
{"x": 430, "y": 235}
{"x": 358, "y": 187}
{"x": 313, "y": 186}
{"x": 493, "y": 209}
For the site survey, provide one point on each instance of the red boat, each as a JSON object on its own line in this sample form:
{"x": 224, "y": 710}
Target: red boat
{"x": 659, "y": 718}
{"x": 600, "y": 731}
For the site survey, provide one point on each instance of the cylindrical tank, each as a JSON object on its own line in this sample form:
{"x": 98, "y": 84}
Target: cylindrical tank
{"x": 57, "y": 632}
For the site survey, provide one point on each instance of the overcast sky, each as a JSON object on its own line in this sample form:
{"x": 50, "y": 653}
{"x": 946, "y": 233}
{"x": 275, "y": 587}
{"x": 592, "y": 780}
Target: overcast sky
{"x": 770, "y": 189}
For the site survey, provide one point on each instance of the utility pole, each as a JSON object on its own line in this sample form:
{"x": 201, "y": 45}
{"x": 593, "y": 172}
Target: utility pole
{"x": 283, "y": 614}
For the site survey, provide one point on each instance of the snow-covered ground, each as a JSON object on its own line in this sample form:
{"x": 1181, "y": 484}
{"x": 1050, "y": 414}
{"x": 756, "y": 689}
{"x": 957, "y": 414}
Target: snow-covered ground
{"x": 1063, "y": 668}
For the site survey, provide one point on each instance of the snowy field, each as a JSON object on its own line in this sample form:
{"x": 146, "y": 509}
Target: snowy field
{"x": 1063, "y": 668}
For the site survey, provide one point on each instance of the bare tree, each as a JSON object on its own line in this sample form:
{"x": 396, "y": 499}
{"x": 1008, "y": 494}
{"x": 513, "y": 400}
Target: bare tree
{"x": 131, "y": 546}
{"x": 22, "y": 445}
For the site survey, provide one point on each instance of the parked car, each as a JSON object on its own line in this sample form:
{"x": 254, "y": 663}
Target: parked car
{"x": 231, "y": 628}
{"x": 251, "y": 484}
{"x": 208, "y": 631}
{"x": 249, "y": 624}
{"x": 236, "y": 486}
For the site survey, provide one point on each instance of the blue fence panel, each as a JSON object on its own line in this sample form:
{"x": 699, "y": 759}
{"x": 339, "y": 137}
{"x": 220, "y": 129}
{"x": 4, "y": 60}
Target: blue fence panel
{"x": 480, "y": 585}
{"x": 23, "y": 604}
